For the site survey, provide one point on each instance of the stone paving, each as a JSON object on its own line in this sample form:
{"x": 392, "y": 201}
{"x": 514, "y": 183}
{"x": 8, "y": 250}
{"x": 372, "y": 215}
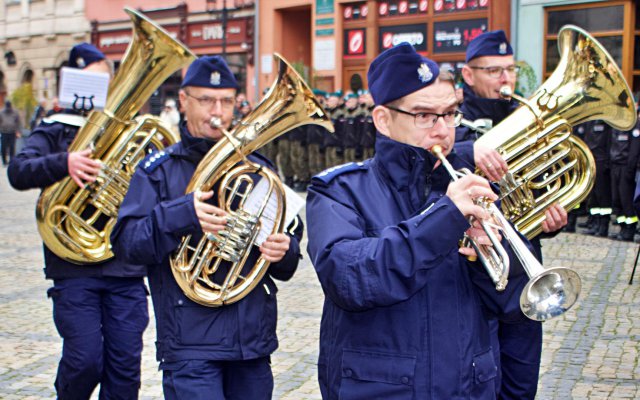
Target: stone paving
{"x": 592, "y": 352}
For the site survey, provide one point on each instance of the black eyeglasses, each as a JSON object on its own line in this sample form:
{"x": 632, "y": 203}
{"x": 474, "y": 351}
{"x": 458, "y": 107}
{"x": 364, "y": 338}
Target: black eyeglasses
{"x": 496, "y": 72}
{"x": 208, "y": 102}
{"x": 424, "y": 120}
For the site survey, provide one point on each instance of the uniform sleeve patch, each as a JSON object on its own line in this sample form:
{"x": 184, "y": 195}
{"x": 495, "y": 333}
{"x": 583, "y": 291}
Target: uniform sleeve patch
{"x": 153, "y": 161}
{"x": 328, "y": 175}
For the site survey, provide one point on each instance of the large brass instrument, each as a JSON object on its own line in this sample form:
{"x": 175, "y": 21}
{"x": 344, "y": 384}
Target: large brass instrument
{"x": 550, "y": 292}
{"x": 547, "y": 164}
{"x": 75, "y": 222}
{"x": 211, "y": 271}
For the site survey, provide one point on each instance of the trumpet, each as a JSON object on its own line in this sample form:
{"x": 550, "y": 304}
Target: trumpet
{"x": 549, "y": 292}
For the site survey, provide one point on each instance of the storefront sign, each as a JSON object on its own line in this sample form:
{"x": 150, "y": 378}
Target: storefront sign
{"x": 324, "y": 7}
{"x": 454, "y": 36}
{"x": 355, "y": 43}
{"x": 324, "y": 21}
{"x": 324, "y": 55}
{"x": 116, "y": 42}
{"x": 324, "y": 32}
{"x": 390, "y": 36}
{"x": 440, "y": 6}
{"x": 210, "y": 33}
{"x": 402, "y": 8}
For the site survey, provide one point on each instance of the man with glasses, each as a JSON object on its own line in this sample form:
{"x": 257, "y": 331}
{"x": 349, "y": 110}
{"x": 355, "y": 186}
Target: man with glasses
{"x": 204, "y": 352}
{"x": 401, "y": 317}
{"x": 490, "y": 66}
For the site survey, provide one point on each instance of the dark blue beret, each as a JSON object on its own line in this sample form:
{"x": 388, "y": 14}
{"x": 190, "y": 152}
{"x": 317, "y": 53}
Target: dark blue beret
{"x": 493, "y": 43}
{"x": 83, "y": 54}
{"x": 210, "y": 72}
{"x": 399, "y": 71}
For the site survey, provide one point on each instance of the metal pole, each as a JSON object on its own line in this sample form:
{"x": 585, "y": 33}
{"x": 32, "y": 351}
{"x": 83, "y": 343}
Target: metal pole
{"x": 224, "y": 29}
{"x": 256, "y": 50}
{"x": 635, "y": 264}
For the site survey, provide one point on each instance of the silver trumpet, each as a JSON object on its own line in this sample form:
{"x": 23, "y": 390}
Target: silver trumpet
{"x": 549, "y": 292}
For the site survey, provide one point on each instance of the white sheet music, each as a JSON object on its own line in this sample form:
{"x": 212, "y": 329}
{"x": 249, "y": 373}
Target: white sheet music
{"x": 76, "y": 82}
{"x": 255, "y": 199}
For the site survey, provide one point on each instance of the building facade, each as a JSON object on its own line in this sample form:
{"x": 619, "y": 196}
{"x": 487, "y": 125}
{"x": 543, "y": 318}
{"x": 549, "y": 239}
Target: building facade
{"x": 35, "y": 37}
{"x": 334, "y": 41}
{"x": 615, "y": 24}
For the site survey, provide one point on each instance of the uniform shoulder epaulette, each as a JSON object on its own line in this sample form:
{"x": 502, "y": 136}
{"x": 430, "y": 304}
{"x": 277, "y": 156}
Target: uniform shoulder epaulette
{"x": 328, "y": 175}
{"x": 153, "y": 161}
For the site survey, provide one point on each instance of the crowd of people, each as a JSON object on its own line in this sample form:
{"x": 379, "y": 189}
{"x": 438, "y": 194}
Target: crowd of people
{"x": 408, "y": 311}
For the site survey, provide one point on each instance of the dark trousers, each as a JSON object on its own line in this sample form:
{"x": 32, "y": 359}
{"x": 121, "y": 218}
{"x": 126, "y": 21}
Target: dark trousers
{"x": 520, "y": 352}
{"x": 101, "y": 321}
{"x": 601, "y": 194}
{"x": 8, "y": 147}
{"x": 623, "y": 187}
{"x": 218, "y": 380}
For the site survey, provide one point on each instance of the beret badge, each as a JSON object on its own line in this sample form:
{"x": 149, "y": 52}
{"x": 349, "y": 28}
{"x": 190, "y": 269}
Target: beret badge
{"x": 80, "y": 62}
{"x": 215, "y": 78}
{"x": 503, "y": 48}
{"x": 424, "y": 73}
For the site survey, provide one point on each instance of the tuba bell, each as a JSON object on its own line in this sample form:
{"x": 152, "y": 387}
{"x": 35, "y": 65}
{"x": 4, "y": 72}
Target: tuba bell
{"x": 76, "y": 222}
{"x": 547, "y": 164}
{"x": 211, "y": 270}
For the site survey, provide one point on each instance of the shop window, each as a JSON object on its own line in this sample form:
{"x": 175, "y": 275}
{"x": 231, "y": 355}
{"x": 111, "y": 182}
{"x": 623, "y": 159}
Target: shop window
{"x": 597, "y": 19}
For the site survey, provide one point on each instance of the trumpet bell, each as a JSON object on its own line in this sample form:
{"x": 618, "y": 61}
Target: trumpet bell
{"x": 550, "y": 293}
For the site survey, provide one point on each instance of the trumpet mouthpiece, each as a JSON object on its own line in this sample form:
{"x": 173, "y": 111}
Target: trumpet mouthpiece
{"x": 505, "y": 92}
{"x": 215, "y": 122}
{"x": 436, "y": 149}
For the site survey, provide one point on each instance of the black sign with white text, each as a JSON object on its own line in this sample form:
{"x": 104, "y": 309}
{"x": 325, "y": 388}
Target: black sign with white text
{"x": 454, "y": 36}
{"x": 390, "y": 36}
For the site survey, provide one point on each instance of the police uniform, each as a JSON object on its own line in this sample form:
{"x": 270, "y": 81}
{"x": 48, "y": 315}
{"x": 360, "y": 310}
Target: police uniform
{"x": 517, "y": 342}
{"x": 598, "y": 138}
{"x": 624, "y": 153}
{"x": 402, "y": 317}
{"x": 100, "y": 310}
{"x": 204, "y": 352}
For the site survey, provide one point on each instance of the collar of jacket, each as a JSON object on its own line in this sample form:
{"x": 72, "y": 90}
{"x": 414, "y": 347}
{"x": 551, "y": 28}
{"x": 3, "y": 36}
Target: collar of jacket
{"x": 475, "y": 107}
{"x": 405, "y": 165}
{"x": 192, "y": 148}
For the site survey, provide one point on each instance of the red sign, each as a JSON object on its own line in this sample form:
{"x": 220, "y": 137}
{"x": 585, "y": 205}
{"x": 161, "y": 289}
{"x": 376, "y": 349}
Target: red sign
{"x": 364, "y": 10}
{"x": 348, "y": 12}
{"x": 438, "y": 5}
{"x": 461, "y": 4}
{"x": 354, "y": 43}
{"x": 403, "y": 7}
{"x": 423, "y": 5}
{"x": 483, "y": 3}
{"x": 383, "y": 8}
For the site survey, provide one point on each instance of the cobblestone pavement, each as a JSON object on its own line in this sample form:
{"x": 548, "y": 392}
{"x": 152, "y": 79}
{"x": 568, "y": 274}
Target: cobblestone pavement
{"x": 590, "y": 353}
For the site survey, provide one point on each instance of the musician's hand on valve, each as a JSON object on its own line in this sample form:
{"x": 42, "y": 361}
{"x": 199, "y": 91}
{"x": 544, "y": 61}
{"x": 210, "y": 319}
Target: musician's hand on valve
{"x": 212, "y": 219}
{"x": 490, "y": 162}
{"x": 466, "y": 190}
{"x": 555, "y": 218}
{"x": 82, "y": 168}
{"x": 275, "y": 247}
{"x": 480, "y": 237}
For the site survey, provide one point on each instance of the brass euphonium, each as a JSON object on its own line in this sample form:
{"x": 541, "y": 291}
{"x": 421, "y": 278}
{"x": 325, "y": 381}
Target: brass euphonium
{"x": 547, "y": 164}
{"x": 288, "y": 104}
{"x": 76, "y": 222}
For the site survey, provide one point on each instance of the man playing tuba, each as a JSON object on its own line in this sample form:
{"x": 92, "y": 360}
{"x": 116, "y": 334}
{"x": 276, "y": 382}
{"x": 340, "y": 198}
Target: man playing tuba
{"x": 100, "y": 310}
{"x": 204, "y": 352}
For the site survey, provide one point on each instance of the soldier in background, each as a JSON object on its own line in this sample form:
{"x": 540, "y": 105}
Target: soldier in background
{"x": 334, "y": 153}
{"x": 624, "y": 152}
{"x": 598, "y": 137}
{"x": 315, "y": 139}
{"x": 365, "y": 124}
{"x": 299, "y": 158}
{"x": 351, "y": 129}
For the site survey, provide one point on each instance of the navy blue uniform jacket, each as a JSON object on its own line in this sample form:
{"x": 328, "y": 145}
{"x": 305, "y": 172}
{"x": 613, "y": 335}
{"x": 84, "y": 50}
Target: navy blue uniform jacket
{"x": 41, "y": 163}
{"x": 153, "y": 218}
{"x": 402, "y": 318}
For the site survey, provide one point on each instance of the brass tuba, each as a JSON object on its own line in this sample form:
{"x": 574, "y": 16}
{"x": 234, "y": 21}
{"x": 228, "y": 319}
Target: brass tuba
{"x": 548, "y": 164}
{"x": 288, "y": 104}
{"x": 74, "y": 222}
